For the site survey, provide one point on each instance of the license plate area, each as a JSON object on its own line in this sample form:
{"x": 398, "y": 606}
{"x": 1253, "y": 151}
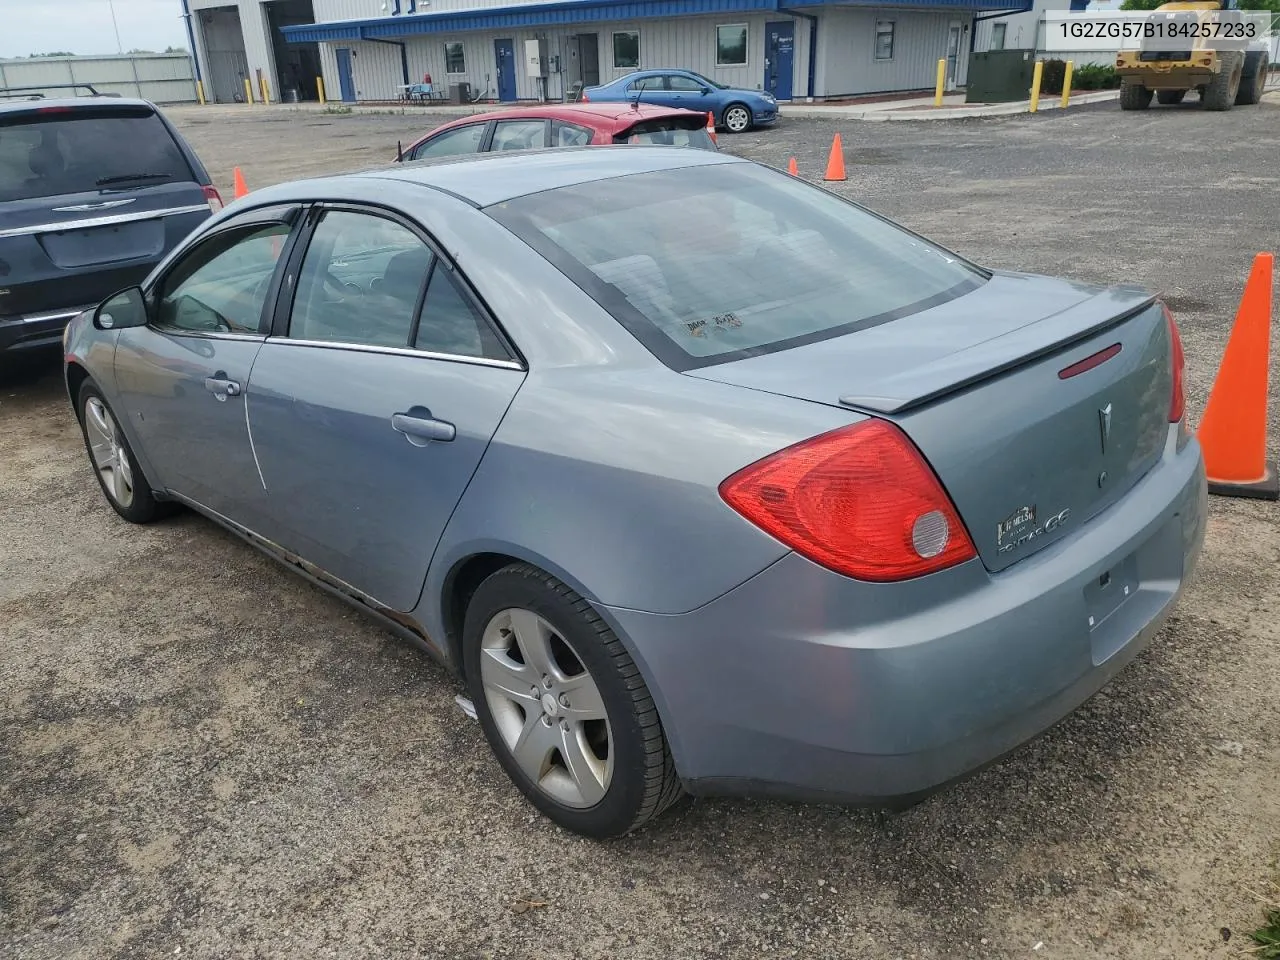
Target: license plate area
{"x": 1103, "y": 596}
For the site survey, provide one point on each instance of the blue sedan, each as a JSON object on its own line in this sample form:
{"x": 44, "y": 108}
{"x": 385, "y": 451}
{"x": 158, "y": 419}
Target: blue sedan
{"x": 699, "y": 477}
{"x": 736, "y": 109}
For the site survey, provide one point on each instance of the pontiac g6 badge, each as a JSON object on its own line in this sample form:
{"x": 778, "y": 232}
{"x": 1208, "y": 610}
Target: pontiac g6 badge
{"x": 1020, "y": 527}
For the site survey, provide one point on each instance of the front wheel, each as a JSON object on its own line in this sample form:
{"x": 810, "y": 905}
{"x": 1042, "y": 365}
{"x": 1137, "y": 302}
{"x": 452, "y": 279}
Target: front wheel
{"x": 738, "y": 118}
{"x": 564, "y": 707}
{"x": 1220, "y": 92}
{"x": 121, "y": 479}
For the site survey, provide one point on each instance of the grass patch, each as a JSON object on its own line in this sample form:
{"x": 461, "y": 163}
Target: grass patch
{"x": 1267, "y": 937}
{"x": 337, "y": 109}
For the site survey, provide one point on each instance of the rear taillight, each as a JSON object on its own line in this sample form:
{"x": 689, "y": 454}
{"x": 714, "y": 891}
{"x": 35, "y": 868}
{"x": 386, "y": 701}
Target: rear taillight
{"x": 860, "y": 500}
{"x": 1177, "y": 396}
{"x": 214, "y": 199}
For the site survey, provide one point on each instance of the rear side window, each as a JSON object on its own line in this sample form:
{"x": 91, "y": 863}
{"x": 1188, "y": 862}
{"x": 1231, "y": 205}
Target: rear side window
{"x": 705, "y": 264}
{"x": 670, "y": 133}
{"x": 82, "y": 151}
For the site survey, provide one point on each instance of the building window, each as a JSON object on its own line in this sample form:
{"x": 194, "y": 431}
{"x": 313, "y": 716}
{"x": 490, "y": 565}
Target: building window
{"x": 731, "y": 45}
{"x": 454, "y": 61}
{"x": 997, "y": 35}
{"x": 884, "y": 39}
{"x": 626, "y": 49}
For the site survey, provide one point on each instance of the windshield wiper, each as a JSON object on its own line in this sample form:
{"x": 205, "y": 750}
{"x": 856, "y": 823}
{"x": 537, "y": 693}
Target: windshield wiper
{"x": 128, "y": 177}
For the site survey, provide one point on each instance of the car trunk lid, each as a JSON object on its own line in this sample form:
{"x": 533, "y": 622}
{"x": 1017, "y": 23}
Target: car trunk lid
{"x": 1039, "y": 403}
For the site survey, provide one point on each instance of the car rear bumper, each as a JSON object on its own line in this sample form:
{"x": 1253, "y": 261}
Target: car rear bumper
{"x": 35, "y": 331}
{"x": 804, "y": 684}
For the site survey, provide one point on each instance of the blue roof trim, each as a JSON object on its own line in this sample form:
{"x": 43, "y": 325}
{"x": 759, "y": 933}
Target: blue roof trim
{"x": 577, "y": 11}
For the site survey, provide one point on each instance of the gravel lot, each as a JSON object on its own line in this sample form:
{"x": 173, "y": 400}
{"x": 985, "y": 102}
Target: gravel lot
{"x": 200, "y": 754}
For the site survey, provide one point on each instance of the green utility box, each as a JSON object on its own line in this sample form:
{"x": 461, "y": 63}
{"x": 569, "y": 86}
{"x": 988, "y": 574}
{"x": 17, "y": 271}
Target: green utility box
{"x": 1000, "y": 76}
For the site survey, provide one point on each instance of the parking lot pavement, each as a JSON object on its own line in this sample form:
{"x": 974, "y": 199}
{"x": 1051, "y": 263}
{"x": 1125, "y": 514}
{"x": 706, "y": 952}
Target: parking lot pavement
{"x": 202, "y": 754}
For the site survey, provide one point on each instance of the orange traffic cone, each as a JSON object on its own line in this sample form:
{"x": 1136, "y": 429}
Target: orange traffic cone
{"x": 241, "y": 189}
{"x": 835, "y": 163}
{"x": 791, "y": 167}
{"x": 711, "y": 126}
{"x": 1233, "y": 430}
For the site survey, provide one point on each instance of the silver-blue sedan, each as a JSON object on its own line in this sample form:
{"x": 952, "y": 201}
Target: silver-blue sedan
{"x": 702, "y": 478}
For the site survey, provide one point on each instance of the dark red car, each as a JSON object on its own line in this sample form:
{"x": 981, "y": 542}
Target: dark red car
{"x": 564, "y": 125}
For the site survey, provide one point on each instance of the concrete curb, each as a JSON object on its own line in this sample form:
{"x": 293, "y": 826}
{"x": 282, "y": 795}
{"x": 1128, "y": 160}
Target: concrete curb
{"x": 816, "y": 111}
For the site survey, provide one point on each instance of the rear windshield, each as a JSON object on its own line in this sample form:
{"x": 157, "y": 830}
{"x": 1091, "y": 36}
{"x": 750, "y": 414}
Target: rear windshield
{"x": 53, "y": 154}
{"x": 669, "y": 132}
{"x": 714, "y": 263}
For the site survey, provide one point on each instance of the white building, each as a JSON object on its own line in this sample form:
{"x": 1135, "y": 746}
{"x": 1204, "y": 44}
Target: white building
{"x": 370, "y": 49}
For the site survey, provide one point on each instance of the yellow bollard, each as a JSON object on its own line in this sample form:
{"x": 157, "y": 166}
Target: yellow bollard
{"x": 320, "y": 89}
{"x": 265, "y": 89}
{"x": 1036, "y": 76}
{"x": 942, "y": 82}
{"x": 1066, "y": 83}
{"x": 200, "y": 92}
{"x": 248, "y": 91}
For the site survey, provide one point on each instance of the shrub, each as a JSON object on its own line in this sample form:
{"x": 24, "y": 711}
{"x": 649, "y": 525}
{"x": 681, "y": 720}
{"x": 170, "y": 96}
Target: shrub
{"x": 1052, "y": 76}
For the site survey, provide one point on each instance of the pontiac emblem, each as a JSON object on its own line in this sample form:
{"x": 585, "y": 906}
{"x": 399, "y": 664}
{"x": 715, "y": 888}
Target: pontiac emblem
{"x": 1104, "y": 425}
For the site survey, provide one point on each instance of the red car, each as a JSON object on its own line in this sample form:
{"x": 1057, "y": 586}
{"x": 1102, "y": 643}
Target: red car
{"x": 564, "y": 125}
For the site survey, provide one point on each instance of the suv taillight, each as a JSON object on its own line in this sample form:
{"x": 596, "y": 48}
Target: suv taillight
{"x": 1177, "y": 397}
{"x": 213, "y": 198}
{"x": 859, "y": 500}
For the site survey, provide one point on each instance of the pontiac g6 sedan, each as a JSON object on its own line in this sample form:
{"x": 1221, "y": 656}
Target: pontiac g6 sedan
{"x": 701, "y": 477}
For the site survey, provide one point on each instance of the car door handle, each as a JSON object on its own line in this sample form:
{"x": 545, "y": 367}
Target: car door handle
{"x": 221, "y": 387}
{"x": 421, "y": 428}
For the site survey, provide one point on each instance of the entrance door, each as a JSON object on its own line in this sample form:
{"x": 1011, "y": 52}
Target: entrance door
{"x": 953, "y": 55}
{"x": 504, "y": 52}
{"x": 779, "y": 57}
{"x": 346, "y": 84}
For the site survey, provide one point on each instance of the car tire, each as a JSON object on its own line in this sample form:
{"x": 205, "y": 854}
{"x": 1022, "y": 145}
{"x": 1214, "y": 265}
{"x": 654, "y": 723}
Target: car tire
{"x": 532, "y": 649}
{"x": 1134, "y": 96}
{"x": 1170, "y": 97}
{"x": 737, "y": 118}
{"x": 122, "y": 481}
{"x": 1220, "y": 92}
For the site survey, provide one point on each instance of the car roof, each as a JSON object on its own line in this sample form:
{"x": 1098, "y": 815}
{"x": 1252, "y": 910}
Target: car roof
{"x": 589, "y": 113}
{"x": 36, "y": 104}
{"x": 484, "y": 179}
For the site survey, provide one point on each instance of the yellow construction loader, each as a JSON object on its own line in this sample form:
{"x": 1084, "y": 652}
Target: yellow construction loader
{"x": 1201, "y": 45}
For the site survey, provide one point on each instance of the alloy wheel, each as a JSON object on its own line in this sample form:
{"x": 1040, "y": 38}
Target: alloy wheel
{"x": 110, "y": 458}
{"x": 737, "y": 119}
{"x": 547, "y": 708}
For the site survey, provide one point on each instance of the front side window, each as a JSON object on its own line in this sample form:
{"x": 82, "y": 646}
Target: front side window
{"x": 361, "y": 281}
{"x": 626, "y": 49}
{"x": 645, "y": 83}
{"x": 454, "y": 61}
{"x": 714, "y": 263}
{"x": 519, "y": 135}
{"x": 683, "y": 84}
{"x": 884, "y": 39}
{"x": 452, "y": 142}
{"x": 222, "y": 285}
{"x": 731, "y": 45}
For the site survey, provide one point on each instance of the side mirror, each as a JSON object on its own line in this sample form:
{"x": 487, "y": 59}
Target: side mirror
{"x": 128, "y": 308}
{"x": 705, "y": 91}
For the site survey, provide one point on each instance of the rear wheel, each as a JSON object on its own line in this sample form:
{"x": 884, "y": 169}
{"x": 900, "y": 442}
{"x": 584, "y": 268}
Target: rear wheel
{"x": 1134, "y": 96}
{"x": 1168, "y": 97}
{"x": 564, "y": 707}
{"x": 737, "y": 118}
{"x": 122, "y": 480}
{"x": 1220, "y": 92}
{"x": 1253, "y": 79}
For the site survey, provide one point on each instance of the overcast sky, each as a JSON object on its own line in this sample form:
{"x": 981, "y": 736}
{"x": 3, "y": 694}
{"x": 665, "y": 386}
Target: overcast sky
{"x": 84, "y": 26}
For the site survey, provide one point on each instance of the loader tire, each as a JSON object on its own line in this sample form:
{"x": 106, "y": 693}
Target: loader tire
{"x": 1220, "y": 92}
{"x": 1169, "y": 97}
{"x": 1134, "y": 96}
{"x": 1253, "y": 79}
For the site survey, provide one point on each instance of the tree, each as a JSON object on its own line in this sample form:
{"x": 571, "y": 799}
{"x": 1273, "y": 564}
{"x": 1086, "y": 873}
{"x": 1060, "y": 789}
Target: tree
{"x": 177, "y": 50}
{"x": 51, "y": 53}
{"x": 139, "y": 51}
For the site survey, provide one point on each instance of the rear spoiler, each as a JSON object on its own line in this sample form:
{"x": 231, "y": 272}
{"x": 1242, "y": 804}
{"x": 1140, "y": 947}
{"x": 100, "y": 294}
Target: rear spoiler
{"x": 985, "y": 361}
